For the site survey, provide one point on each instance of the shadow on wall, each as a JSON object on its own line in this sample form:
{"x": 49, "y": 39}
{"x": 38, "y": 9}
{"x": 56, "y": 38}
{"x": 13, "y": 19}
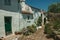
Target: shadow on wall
{"x": 14, "y": 7}
{"x": 10, "y": 9}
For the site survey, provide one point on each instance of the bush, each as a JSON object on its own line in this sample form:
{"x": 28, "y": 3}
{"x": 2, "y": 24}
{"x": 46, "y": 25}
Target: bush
{"x": 55, "y": 20}
{"x": 31, "y": 29}
{"x": 56, "y": 25}
{"x": 48, "y": 30}
{"x": 39, "y": 21}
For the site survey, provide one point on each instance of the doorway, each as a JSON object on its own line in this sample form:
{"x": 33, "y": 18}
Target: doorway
{"x": 8, "y": 22}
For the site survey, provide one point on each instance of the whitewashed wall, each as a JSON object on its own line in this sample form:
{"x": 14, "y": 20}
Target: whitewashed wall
{"x": 24, "y": 21}
{"x": 15, "y": 21}
{"x": 18, "y": 22}
{"x": 25, "y": 7}
{"x": 9, "y": 10}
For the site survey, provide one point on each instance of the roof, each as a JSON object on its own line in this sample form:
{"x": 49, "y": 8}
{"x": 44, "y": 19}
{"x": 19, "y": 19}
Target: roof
{"x": 26, "y": 12}
{"x": 34, "y": 7}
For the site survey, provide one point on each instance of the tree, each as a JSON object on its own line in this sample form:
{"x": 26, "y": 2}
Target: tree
{"x": 55, "y": 8}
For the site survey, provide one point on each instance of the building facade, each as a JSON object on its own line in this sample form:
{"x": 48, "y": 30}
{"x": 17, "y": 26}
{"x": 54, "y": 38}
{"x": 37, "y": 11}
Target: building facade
{"x": 16, "y": 15}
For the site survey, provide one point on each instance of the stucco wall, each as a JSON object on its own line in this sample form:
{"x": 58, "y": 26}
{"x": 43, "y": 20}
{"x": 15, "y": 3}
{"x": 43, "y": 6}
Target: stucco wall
{"x": 13, "y": 7}
{"x": 24, "y": 22}
{"x": 18, "y": 21}
{"x": 36, "y": 15}
{"x": 15, "y": 21}
{"x": 0, "y": 2}
{"x": 9, "y": 10}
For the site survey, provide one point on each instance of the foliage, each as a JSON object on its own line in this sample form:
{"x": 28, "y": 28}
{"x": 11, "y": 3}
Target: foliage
{"x": 55, "y": 8}
{"x": 39, "y": 21}
{"x": 26, "y": 33}
{"x": 30, "y": 30}
{"x": 56, "y": 24}
{"x": 54, "y": 19}
{"x": 48, "y": 30}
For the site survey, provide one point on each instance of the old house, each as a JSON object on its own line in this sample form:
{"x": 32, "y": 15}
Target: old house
{"x": 16, "y": 15}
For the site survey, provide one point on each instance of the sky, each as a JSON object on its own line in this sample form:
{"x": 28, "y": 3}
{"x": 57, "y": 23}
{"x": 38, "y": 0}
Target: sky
{"x": 41, "y": 4}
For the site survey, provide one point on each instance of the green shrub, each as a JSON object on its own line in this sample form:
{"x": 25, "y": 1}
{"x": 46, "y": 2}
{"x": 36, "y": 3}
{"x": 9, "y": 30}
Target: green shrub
{"x": 48, "y": 29}
{"x": 31, "y": 29}
{"x": 39, "y": 21}
{"x": 56, "y": 25}
{"x": 25, "y": 32}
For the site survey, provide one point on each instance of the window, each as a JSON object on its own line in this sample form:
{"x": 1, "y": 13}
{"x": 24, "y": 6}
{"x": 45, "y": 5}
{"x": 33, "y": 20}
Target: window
{"x": 7, "y": 2}
{"x": 31, "y": 16}
{"x": 28, "y": 17}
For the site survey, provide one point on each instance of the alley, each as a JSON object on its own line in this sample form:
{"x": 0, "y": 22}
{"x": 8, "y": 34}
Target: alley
{"x": 39, "y": 35}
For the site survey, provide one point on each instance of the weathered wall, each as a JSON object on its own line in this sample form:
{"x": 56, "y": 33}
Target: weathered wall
{"x": 9, "y": 10}
{"x": 24, "y": 21}
{"x": 36, "y": 15}
{"x": 18, "y": 22}
{"x": 0, "y": 4}
{"x": 15, "y": 21}
{"x": 13, "y": 7}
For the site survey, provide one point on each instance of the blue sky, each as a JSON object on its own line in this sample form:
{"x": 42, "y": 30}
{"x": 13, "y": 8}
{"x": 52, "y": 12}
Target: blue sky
{"x": 41, "y": 4}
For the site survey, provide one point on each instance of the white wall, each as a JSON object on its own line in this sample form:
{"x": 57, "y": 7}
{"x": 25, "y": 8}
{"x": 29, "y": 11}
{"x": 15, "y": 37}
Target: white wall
{"x": 15, "y": 21}
{"x": 18, "y": 22}
{"x": 25, "y": 7}
{"x": 24, "y": 21}
{"x": 9, "y": 10}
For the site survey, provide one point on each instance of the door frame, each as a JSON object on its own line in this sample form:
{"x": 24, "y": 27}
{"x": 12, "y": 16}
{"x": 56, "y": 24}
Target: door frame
{"x": 10, "y": 22}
